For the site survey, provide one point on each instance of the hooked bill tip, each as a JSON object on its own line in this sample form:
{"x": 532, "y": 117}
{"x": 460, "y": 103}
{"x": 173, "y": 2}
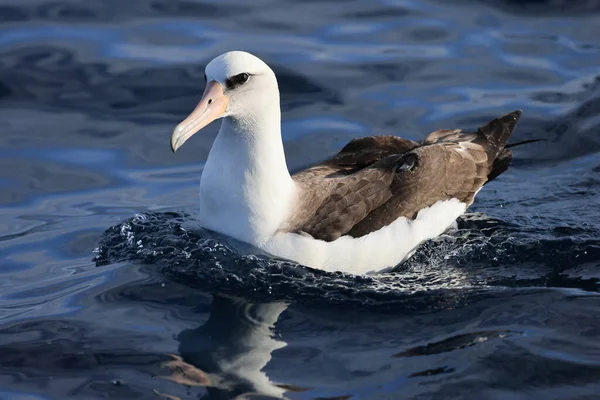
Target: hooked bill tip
{"x": 174, "y": 145}
{"x": 175, "y": 138}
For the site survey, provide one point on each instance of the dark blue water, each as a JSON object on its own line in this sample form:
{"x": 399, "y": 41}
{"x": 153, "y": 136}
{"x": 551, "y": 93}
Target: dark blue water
{"x": 108, "y": 289}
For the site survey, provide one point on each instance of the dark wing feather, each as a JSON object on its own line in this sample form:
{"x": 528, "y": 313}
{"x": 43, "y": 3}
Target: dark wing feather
{"x": 375, "y": 180}
{"x": 346, "y": 188}
{"x": 444, "y": 171}
{"x": 349, "y": 199}
{"x": 362, "y": 152}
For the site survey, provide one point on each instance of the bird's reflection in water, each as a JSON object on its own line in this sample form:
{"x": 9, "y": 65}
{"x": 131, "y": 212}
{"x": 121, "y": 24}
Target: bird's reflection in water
{"x": 227, "y": 353}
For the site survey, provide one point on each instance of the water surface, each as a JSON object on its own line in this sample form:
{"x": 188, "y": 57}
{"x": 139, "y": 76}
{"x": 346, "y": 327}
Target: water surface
{"x": 108, "y": 288}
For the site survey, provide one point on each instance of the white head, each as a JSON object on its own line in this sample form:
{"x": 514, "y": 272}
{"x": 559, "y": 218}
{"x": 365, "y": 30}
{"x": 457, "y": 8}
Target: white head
{"x": 239, "y": 86}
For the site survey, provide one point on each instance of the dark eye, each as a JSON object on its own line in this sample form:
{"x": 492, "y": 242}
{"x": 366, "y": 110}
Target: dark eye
{"x": 237, "y": 80}
{"x": 242, "y": 78}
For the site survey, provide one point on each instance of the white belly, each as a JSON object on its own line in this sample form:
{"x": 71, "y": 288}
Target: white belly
{"x": 381, "y": 249}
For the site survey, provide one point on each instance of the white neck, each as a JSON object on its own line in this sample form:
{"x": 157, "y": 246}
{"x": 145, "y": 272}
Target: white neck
{"x": 246, "y": 190}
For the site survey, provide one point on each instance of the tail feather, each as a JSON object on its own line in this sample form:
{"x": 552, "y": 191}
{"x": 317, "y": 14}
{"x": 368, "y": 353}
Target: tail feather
{"x": 501, "y": 164}
{"x": 495, "y": 134}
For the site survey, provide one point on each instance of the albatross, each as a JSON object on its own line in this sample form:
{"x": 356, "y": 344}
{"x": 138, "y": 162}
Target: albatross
{"x": 363, "y": 210}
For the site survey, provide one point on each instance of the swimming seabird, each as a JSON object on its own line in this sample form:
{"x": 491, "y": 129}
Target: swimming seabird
{"x": 365, "y": 209}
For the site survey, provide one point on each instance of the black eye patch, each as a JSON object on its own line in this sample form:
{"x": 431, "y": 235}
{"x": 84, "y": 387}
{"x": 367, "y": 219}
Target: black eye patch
{"x": 237, "y": 80}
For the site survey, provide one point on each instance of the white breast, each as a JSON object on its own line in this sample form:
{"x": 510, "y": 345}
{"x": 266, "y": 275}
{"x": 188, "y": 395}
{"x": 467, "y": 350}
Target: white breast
{"x": 246, "y": 190}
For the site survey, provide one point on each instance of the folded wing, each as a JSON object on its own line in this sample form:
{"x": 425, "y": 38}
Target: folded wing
{"x": 375, "y": 180}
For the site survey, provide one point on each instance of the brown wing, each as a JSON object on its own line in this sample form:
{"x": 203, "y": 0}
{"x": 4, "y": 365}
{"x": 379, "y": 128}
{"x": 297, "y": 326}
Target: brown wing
{"x": 344, "y": 189}
{"x": 362, "y": 152}
{"x": 373, "y": 181}
{"x": 356, "y": 155}
{"x": 443, "y": 171}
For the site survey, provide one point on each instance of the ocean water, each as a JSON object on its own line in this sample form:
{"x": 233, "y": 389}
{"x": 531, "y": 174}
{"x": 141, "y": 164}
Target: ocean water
{"x": 109, "y": 290}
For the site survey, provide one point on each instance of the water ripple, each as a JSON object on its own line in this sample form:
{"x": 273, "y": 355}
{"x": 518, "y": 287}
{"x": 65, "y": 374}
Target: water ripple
{"x": 505, "y": 303}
